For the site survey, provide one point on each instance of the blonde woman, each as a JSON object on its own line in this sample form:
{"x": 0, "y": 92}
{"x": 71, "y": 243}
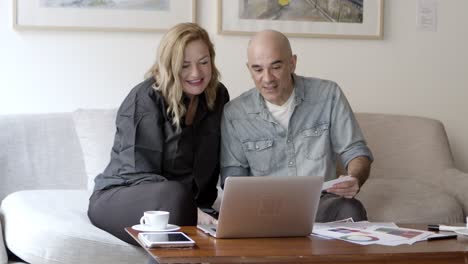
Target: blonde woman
{"x": 166, "y": 148}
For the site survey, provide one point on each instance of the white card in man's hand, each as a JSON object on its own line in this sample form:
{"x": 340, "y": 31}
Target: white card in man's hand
{"x": 329, "y": 184}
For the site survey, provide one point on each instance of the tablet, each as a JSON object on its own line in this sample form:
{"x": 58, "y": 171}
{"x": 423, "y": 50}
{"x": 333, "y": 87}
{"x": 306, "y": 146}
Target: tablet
{"x": 165, "y": 239}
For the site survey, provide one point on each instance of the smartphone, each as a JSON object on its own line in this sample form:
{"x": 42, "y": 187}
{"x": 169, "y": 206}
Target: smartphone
{"x": 165, "y": 239}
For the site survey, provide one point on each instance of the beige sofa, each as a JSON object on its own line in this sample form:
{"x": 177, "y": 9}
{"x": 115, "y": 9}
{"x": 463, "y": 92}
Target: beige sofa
{"x": 413, "y": 177}
{"x": 48, "y": 162}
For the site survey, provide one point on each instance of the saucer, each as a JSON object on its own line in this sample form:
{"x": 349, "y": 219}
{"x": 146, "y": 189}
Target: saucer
{"x": 463, "y": 231}
{"x": 169, "y": 227}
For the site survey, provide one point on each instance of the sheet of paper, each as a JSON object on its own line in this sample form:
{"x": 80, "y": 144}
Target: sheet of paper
{"x": 360, "y": 225}
{"x": 357, "y": 236}
{"x": 406, "y": 235}
{"x": 329, "y": 184}
{"x": 427, "y": 15}
{"x": 366, "y": 233}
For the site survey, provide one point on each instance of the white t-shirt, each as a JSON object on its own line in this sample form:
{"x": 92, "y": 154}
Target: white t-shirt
{"x": 282, "y": 113}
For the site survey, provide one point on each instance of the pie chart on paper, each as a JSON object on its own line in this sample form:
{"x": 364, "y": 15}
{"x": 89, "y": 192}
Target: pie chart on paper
{"x": 359, "y": 238}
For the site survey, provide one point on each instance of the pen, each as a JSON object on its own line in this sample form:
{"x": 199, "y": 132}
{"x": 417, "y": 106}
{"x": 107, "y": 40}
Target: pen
{"x": 444, "y": 228}
{"x": 441, "y": 237}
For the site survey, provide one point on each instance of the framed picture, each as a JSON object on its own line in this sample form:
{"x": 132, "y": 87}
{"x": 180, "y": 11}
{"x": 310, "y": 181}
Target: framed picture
{"x": 111, "y": 15}
{"x": 359, "y": 19}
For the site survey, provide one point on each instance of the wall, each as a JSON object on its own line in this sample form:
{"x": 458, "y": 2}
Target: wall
{"x": 409, "y": 72}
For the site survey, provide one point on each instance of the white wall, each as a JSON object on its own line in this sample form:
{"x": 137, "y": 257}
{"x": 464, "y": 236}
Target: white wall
{"x": 409, "y": 72}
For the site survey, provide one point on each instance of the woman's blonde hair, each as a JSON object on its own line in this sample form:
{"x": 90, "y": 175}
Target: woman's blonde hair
{"x": 170, "y": 58}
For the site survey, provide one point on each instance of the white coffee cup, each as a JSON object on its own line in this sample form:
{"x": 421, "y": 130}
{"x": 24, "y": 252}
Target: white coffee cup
{"x": 155, "y": 219}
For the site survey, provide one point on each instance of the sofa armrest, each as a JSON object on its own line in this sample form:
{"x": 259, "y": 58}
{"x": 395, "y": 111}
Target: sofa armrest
{"x": 3, "y": 253}
{"x": 456, "y": 183}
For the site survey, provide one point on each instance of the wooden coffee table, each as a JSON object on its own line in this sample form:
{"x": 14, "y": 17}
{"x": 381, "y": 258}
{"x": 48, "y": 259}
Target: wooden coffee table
{"x": 307, "y": 250}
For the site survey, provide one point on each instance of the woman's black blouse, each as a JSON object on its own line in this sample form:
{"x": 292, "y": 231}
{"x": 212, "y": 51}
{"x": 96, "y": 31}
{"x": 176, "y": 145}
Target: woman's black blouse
{"x": 148, "y": 148}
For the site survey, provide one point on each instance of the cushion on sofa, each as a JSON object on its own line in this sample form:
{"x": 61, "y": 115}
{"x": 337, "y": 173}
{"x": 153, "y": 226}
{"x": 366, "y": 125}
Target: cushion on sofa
{"x": 95, "y": 129}
{"x": 52, "y": 226}
{"x": 3, "y": 254}
{"x": 406, "y": 146}
{"x": 39, "y": 151}
{"x": 407, "y": 200}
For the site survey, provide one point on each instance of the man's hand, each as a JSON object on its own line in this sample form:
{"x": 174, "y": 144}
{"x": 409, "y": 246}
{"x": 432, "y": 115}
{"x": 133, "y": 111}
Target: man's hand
{"x": 205, "y": 219}
{"x": 347, "y": 189}
{"x": 358, "y": 169}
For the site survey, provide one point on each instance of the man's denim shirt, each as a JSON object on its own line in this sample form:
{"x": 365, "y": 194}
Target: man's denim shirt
{"x": 322, "y": 125}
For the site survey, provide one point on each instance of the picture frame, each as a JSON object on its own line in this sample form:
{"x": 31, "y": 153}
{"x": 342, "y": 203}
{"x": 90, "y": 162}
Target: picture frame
{"x": 349, "y": 19}
{"x": 134, "y": 15}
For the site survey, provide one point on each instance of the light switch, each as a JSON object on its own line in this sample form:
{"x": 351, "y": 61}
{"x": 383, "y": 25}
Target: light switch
{"x": 427, "y": 15}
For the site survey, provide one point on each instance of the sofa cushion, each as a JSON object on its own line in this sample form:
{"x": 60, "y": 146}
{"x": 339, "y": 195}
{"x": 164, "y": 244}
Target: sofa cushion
{"x": 3, "y": 254}
{"x": 39, "y": 151}
{"x": 52, "y": 226}
{"x": 409, "y": 201}
{"x": 95, "y": 129}
{"x": 406, "y": 146}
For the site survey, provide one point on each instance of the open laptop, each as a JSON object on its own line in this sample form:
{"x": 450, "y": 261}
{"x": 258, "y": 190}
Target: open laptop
{"x": 267, "y": 206}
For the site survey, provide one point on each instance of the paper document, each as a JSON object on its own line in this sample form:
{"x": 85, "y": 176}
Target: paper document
{"x": 359, "y": 225}
{"x": 370, "y": 233}
{"x": 329, "y": 184}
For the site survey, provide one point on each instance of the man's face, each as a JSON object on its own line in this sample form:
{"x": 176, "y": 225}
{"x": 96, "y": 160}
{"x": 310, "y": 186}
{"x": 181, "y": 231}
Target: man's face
{"x": 271, "y": 69}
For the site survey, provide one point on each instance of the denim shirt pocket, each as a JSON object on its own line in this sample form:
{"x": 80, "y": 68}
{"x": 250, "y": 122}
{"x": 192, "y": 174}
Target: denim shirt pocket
{"x": 259, "y": 155}
{"x": 316, "y": 139}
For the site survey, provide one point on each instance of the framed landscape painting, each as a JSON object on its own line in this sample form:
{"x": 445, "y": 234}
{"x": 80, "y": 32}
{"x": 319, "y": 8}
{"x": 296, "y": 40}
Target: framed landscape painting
{"x": 359, "y": 19}
{"x": 113, "y": 15}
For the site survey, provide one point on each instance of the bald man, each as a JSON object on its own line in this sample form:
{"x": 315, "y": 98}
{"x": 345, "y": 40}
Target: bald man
{"x": 294, "y": 125}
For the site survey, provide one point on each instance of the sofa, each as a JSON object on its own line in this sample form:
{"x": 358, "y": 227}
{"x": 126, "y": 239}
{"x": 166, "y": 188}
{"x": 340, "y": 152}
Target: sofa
{"x": 48, "y": 163}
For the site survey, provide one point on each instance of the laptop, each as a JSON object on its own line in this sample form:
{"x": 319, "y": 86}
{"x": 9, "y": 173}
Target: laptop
{"x": 267, "y": 206}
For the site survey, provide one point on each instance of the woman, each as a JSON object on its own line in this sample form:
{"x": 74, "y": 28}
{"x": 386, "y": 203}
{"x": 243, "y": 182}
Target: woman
{"x": 166, "y": 147}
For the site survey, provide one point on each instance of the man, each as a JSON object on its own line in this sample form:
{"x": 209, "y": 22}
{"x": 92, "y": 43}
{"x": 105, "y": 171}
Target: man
{"x": 293, "y": 125}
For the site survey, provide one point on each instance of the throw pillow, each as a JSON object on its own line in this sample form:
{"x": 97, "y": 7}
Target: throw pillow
{"x": 95, "y": 129}
{"x": 3, "y": 254}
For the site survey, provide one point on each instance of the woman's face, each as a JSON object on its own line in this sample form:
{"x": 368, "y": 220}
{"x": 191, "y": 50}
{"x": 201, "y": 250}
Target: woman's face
{"x": 196, "y": 69}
